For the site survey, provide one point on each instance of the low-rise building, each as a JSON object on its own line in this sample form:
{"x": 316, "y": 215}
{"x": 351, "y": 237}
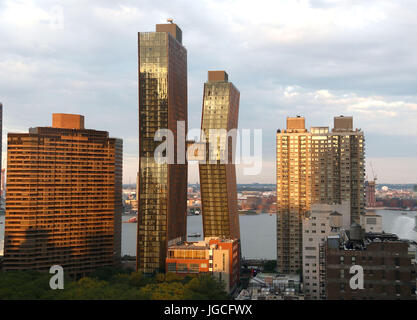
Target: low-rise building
{"x": 273, "y": 287}
{"x": 387, "y": 269}
{"x": 371, "y": 222}
{"x": 216, "y": 256}
{"x": 318, "y": 224}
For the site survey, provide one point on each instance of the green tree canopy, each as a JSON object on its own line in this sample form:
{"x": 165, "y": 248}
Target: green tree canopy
{"x": 110, "y": 283}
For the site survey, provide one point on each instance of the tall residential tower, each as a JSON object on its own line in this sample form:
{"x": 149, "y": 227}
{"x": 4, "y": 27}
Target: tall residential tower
{"x": 162, "y": 187}
{"x": 293, "y": 192}
{"x": 64, "y": 198}
{"x": 322, "y": 166}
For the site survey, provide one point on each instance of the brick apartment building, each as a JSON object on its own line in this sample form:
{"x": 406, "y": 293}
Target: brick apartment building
{"x": 388, "y": 271}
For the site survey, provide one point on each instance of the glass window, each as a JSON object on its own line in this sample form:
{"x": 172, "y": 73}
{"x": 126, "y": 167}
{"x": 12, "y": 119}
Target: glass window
{"x": 182, "y": 267}
{"x": 172, "y": 267}
{"x": 194, "y": 267}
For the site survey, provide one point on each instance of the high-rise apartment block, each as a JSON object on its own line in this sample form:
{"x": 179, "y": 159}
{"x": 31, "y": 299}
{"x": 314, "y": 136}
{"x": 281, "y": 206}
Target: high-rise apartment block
{"x": 317, "y": 166}
{"x": 348, "y": 151}
{"x": 293, "y": 192}
{"x": 338, "y": 169}
{"x": 162, "y": 187}
{"x": 64, "y": 198}
{"x": 217, "y": 172}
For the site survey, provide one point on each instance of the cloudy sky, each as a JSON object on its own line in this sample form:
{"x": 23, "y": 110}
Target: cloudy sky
{"x": 317, "y": 58}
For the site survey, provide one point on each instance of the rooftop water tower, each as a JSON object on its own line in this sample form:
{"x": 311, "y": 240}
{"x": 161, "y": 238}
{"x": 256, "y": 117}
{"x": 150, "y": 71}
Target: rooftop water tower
{"x": 356, "y": 232}
{"x": 335, "y": 221}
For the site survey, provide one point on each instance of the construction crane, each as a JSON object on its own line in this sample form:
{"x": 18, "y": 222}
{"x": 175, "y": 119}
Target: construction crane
{"x": 373, "y": 173}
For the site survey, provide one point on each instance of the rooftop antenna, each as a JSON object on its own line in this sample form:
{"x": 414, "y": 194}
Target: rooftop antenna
{"x": 170, "y": 20}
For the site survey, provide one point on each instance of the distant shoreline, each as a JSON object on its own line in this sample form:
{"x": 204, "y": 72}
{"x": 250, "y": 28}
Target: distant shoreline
{"x": 388, "y": 208}
{"x": 253, "y": 213}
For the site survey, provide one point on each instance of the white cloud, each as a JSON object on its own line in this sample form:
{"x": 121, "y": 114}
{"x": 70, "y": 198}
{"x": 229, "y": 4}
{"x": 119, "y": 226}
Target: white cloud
{"x": 393, "y": 170}
{"x": 317, "y": 58}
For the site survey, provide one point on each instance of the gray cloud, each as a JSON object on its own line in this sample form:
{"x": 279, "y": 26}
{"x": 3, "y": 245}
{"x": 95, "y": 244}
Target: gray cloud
{"x": 314, "y": 58}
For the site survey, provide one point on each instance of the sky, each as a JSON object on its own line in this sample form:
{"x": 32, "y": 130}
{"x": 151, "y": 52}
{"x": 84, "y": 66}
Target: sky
{"x": 315, "y": 58}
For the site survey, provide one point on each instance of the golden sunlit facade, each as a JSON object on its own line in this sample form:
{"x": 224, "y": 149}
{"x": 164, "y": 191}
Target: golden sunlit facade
{"x": 64, "y": 198}
{"x": 293, "y": 192}
{"x": 320, "y": 166}
{"x": 217, "y": 177}
{"x": 162, "y": 188}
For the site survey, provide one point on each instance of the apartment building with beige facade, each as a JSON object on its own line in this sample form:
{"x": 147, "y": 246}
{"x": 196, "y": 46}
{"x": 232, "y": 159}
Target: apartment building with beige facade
{"x": 317, "y": 226}
{"x": 322, "y": 165}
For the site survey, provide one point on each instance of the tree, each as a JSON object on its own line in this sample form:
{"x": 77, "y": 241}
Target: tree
{"x": 132, "y": 280}
{"x": 205, "y": 287}
{"x": 164, "y": 291}
{"x": 106, "y": 273}
{"x": 108, "y": 283}
{"x": 170, "y": 277}
{"x": 270, "y": 265}
{"x": 16, "y": 285}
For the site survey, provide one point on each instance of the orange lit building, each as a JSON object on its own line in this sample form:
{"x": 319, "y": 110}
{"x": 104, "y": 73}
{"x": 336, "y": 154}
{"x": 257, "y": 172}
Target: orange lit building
{"x": 64, "y": 198}
{"x": 216, "y": 256}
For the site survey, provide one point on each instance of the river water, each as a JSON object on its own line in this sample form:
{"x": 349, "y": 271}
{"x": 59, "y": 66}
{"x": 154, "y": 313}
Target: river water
{"x": 258, "y": 232}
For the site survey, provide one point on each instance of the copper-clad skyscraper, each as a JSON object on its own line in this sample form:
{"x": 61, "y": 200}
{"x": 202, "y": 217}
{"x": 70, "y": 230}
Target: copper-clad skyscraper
{"x": 162, "y": 188}
{"x": 217, "y": 177}
{"x": 64, "y": 198}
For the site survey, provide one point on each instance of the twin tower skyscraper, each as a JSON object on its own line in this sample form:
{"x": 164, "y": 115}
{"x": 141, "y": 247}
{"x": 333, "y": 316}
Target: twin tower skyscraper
{"x": 162, "y": 186}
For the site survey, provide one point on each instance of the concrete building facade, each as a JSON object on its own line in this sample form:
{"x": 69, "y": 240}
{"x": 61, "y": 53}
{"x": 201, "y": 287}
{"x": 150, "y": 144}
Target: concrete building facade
{"x": 293, "y": 192}
{"x": 320, "y": 222}
{"x": 371, "y": 222}
{"x": 64, "y": 198}
{"x": 317, "y": 166}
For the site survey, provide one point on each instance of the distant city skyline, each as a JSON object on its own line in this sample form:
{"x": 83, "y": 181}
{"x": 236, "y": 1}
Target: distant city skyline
{"x": 309, "y": 58}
